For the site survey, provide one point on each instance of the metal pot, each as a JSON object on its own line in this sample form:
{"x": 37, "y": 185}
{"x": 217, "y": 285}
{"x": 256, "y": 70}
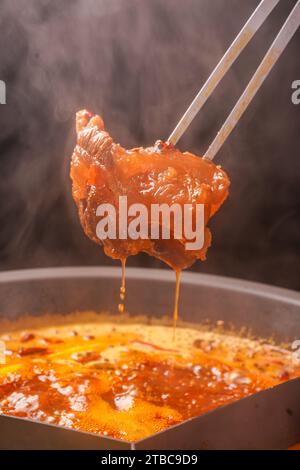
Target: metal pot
{"x": 268, "y": 419}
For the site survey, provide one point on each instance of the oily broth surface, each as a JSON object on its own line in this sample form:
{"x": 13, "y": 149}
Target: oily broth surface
{"x": 130, "y": 380}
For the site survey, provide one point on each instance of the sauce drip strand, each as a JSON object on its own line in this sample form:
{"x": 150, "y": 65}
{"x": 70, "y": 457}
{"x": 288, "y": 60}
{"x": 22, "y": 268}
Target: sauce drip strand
{"x": 176, "y": 300}
{"x": 121, "y": 306}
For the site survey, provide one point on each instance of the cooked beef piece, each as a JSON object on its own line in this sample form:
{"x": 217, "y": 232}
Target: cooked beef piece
{"x": 102, "y": 171}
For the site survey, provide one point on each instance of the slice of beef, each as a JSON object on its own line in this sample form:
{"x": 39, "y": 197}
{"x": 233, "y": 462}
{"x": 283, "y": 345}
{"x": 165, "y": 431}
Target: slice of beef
{"x": 102, "y": 170}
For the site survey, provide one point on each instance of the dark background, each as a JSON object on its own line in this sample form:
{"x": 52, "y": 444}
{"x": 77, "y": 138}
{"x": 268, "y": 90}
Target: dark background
{"x": 139, "y": 63}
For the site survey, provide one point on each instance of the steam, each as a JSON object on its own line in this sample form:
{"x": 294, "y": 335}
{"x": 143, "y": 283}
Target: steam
{"x": 139, "y": 64}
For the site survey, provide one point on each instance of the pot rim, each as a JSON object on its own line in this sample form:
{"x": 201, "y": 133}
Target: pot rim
{"x": 163, "y": 275}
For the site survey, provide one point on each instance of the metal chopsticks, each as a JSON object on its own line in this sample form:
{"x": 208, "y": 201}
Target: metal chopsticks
{"x": 255, "y": 21}
{"x": 281, "y": 41}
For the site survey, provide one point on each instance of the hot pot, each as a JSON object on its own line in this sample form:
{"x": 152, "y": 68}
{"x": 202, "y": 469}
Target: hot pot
{"x": 267, "y": 420}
